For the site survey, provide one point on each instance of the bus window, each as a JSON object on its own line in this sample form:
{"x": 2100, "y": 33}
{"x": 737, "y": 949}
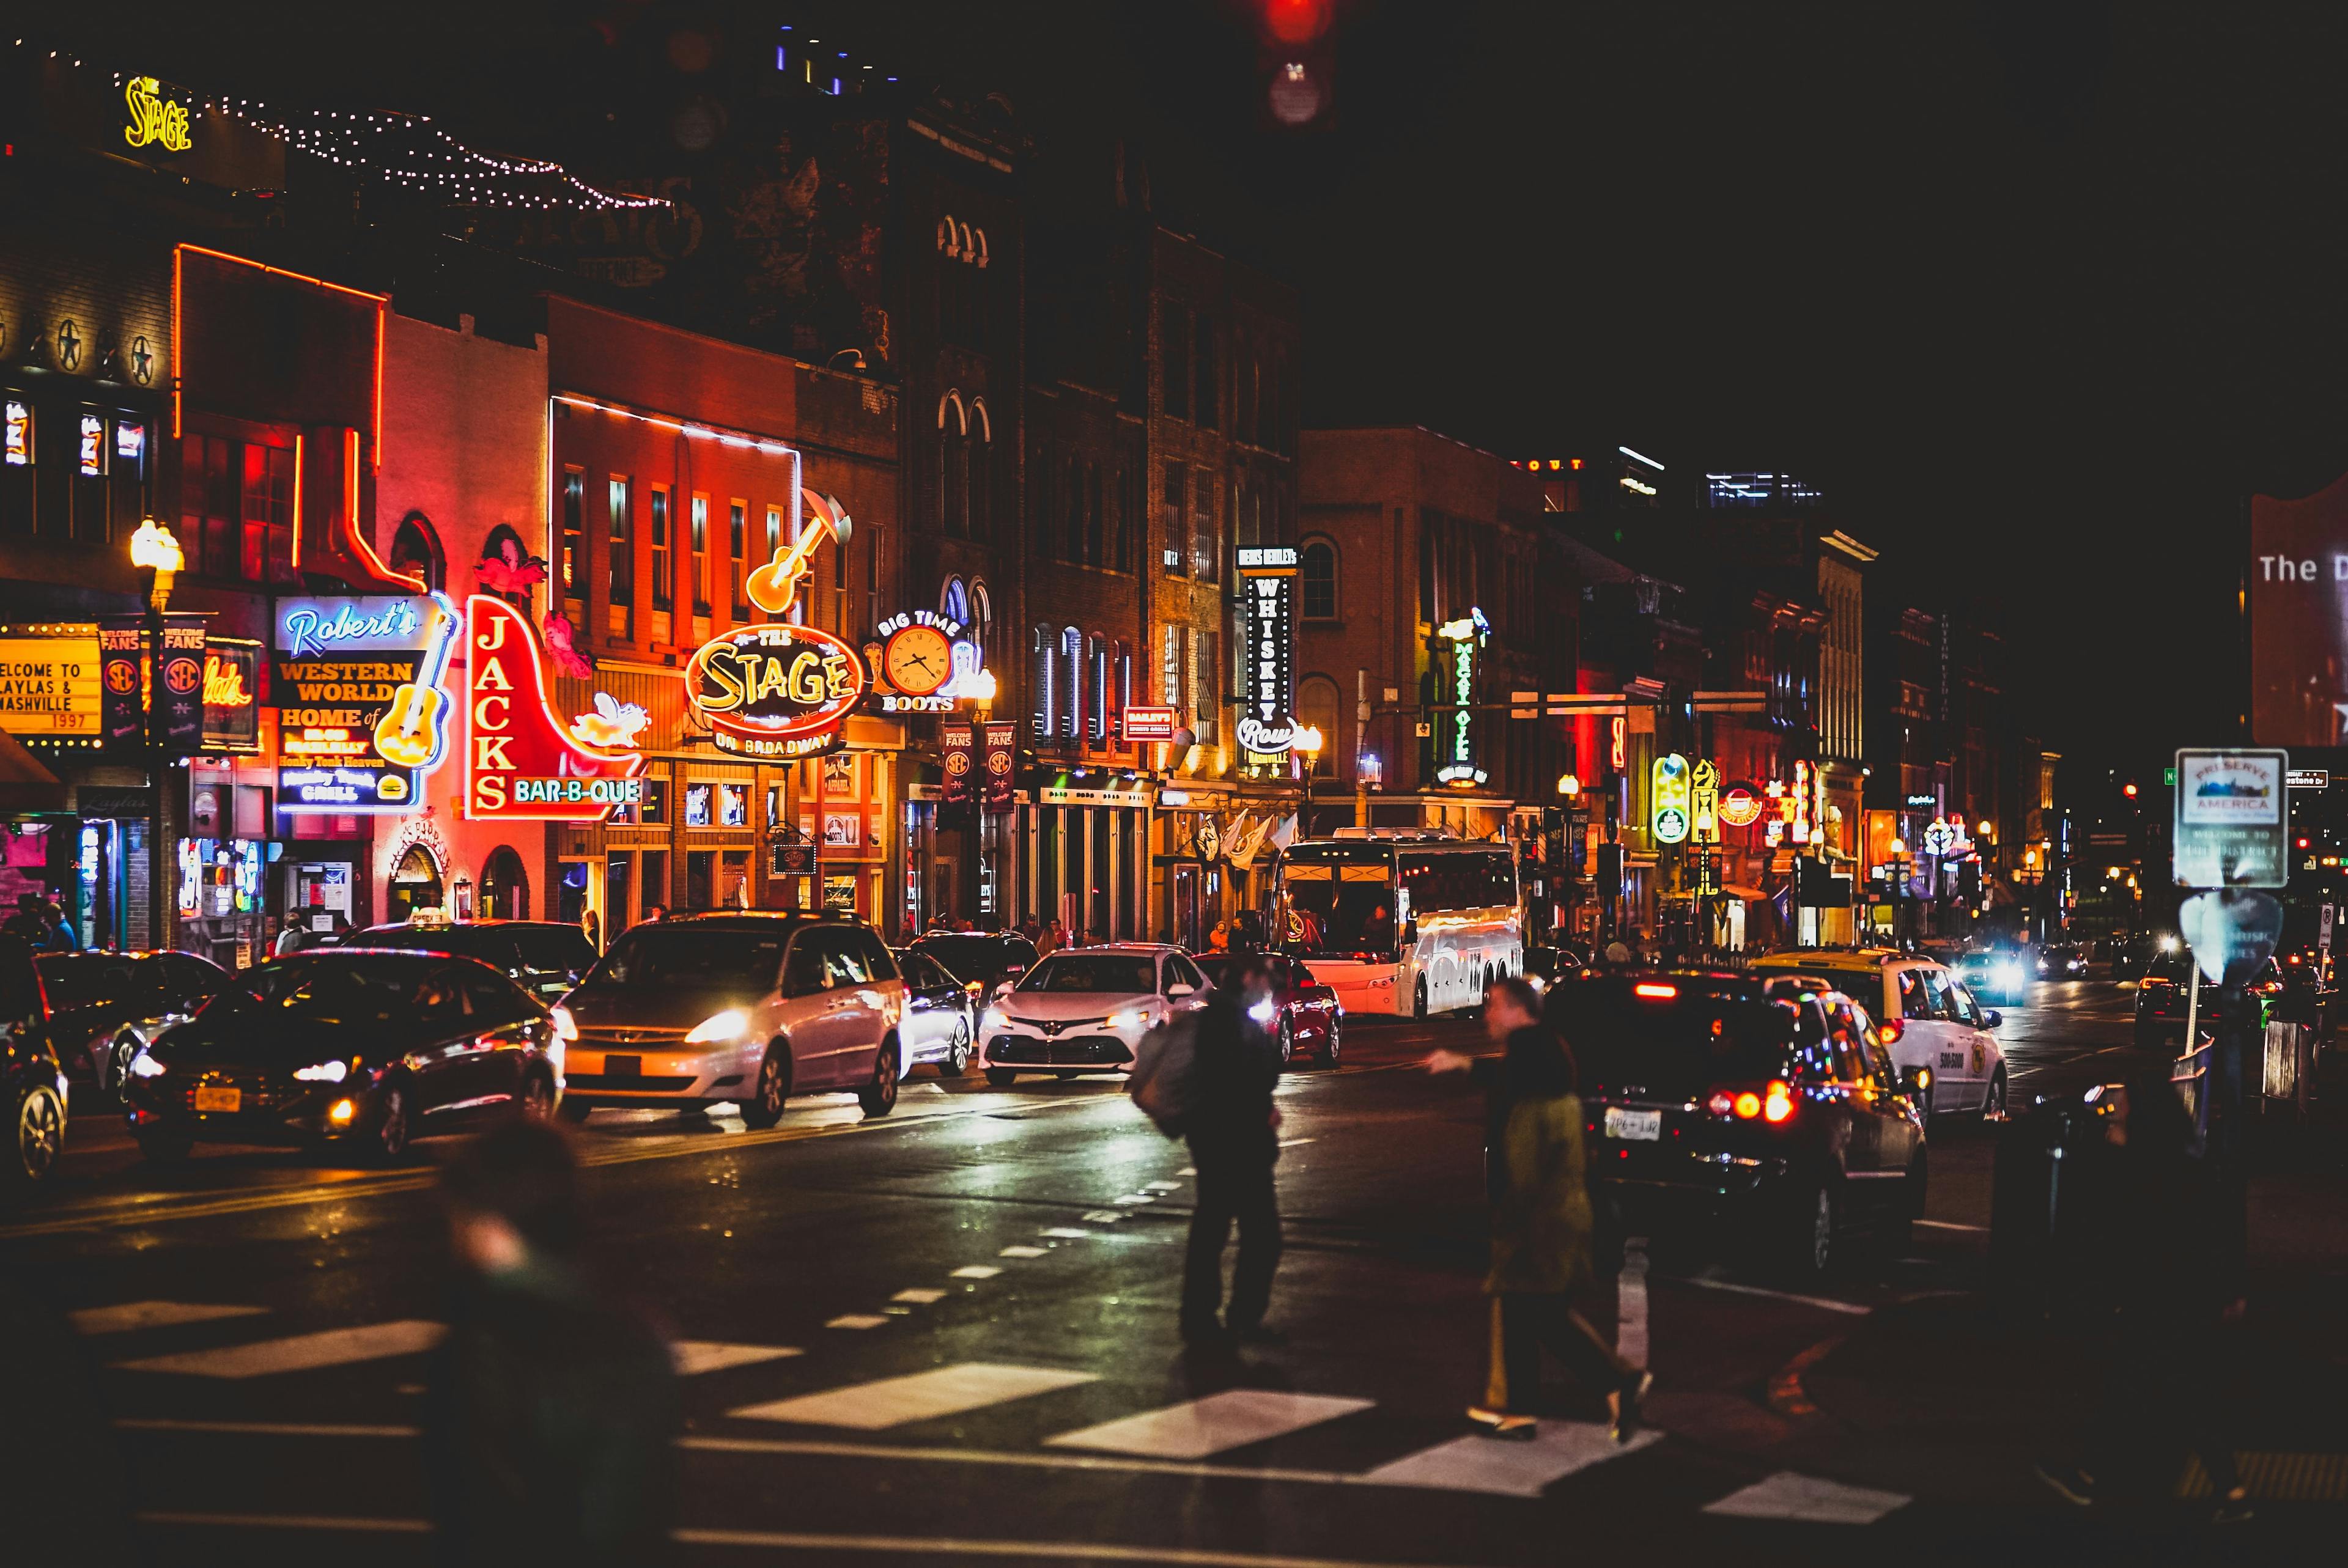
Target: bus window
{"x": 1328, "y": 911}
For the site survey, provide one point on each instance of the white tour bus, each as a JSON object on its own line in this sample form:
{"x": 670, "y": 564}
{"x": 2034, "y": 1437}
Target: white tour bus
{"x": 1412, "y": 923}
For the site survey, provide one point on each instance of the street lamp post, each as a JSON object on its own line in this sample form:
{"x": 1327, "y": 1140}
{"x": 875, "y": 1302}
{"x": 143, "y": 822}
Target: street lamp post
{"x": 154, "y": 549}
{"x": 1899, "y": 864}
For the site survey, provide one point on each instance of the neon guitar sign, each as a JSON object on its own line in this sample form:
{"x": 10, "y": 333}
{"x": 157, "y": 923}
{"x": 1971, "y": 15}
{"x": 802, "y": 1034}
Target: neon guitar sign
{"x": 414, "y": 730}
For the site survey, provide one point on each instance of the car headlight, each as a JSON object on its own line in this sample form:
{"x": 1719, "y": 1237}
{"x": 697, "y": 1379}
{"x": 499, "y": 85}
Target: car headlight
{"x": 718, "y": 1028}
{"x": 1131, "y": 1018}
{"x": 565, "y": 1027}
{"x": 2009, "y": 975}
{"x": 1264, "y": 1011}
{"x": 993, "y": 1018}
{"x": 325, "y": 1073}
{"x": 145, "y": 1066}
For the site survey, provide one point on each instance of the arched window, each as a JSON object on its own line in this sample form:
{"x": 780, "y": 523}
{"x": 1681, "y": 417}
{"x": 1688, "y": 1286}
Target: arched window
{"x": 1097, "y": 690}
{"x": 1072, "y": 682}
{"x": 978, "y": 247}
{"x": 416, "y": 551}
{"x": 1045, "y": 682}
{"x": 1120, "y": 691}
{"x": 1316, "y": 705}
{"x": 1316, "y": 580}
{"x": 953, "y": 600}
{"x": 982, "y": 470}
{"x": 980, "y": 417}
{"x": 949, "y": 236}
{"x": 982, "y": 623}
{"x": 505, "y": 886}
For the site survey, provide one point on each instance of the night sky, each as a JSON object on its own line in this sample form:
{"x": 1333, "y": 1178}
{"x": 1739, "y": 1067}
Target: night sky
{"x": 2039, "y": 291}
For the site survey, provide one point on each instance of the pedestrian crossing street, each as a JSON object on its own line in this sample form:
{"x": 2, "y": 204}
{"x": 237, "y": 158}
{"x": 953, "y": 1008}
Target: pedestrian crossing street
{"x": 1192, "y": 1435}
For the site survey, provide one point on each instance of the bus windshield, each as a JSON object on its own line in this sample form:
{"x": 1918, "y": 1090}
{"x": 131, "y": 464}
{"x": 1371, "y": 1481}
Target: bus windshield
{"x": 1337, "y": 901}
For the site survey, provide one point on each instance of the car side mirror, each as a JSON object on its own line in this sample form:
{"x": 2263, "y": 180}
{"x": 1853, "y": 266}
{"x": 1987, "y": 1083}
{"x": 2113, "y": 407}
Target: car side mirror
{"x": 1180, "y": 989}
{"x": 1991, "y": 1019}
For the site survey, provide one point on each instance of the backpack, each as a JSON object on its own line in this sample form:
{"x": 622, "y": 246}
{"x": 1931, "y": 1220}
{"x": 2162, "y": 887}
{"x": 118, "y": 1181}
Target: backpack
{"x": 1165, "y": 1072}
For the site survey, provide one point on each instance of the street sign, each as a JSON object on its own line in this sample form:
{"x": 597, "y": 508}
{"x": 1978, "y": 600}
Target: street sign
{"x": 2229, "y": 820}
{"x": 2232, "y": 932}
{"x": 2309, "y": 778}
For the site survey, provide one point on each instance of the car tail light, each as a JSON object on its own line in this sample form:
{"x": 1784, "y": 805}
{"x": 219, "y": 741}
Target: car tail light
{"x": 1779, "y": 1104}
{"x": 1722, "y": 1103}
{"x": 1746, "y": 1105}
{"x": 1654, "y": 992}
{"x": 1890, "y": 1029}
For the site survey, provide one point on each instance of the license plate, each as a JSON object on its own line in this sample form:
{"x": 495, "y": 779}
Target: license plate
{"x": 623, "y": 1066}
{"x": 210, "y": 1099}
{"x": 1636, "y": 1126}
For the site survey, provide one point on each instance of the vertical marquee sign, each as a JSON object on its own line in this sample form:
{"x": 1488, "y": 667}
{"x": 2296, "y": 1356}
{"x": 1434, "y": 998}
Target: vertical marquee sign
{"x": 361, "y": 716}
{"x": 775, "y": 690}
{"x": 1455, "y": 737}
{"x": 521, "y": 762}
{"x": 1267, "y": 727}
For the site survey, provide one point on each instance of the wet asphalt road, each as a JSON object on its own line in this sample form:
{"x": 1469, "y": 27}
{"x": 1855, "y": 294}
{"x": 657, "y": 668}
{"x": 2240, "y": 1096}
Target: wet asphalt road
{"x": 1004, "y": 1265}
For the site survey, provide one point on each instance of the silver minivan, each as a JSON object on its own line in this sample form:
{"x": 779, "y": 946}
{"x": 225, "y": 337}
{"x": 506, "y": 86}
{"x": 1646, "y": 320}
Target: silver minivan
{"x": 741, "y": 1006}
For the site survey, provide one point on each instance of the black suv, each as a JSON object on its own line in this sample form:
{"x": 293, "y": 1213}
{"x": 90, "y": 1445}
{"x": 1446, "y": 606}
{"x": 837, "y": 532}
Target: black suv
{"x": 1713, "y": 1101}
{"x": 544, "y": 958}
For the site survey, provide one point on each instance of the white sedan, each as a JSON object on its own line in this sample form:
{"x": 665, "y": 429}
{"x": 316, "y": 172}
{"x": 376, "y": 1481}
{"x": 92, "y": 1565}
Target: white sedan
{"x": 1086, "y": 1009}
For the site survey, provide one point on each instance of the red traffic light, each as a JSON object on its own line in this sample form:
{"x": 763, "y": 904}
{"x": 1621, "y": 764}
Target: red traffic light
{"x": 2128, "y": 790}
{"x": 1295, "y": 21}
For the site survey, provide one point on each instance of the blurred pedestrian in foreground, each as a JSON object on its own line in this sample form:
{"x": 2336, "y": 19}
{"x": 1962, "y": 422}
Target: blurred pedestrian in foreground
{"x": 2168, "y": 1262}
{"x": 550, "y": 1413}
{"x": 1541, "y": 1221}
{"x": 1233, "y": 1131}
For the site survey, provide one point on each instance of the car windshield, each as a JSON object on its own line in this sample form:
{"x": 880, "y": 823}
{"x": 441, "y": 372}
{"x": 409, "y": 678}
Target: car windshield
{"x": 1126, "y": 973}
{"x": 352, "y": 989}
{"x": 1669, "y": 1039}
{"x": 79, "y": 980}
{"x": 972, "y": 957}
{"x": 650, "y": 958}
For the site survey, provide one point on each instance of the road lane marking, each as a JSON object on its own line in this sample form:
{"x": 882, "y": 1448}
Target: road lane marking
{"x": 920, "y": 1295}
{"x": 263, "y": 1428}
{"x": 1163, "y": 1186}
{"x": 917, "y": 1397}
{"x": 1023, "y": 1252}
{"x": 856, "y": 1321}
{"x": 808, "y": 1541}
{"x": 1476, "y": 1463}
{"x": 1068, "y": 1233}
{"x": 1630, "y": 1303}
{"x": 695, "y": 1356}
{"x": 1823, "y": 1303}
{"x": 301, "y": 1353}
{"x": 134, "y": 1315}
{"x": 1297, "y": 1143}
{"x": 1952, "y": 1226}
{"x": 1786, "y": 1495}
{"x": 1199, "y": 1428}
{"x": 976, "y": 1271}
{"x": 1104, "y": 1216}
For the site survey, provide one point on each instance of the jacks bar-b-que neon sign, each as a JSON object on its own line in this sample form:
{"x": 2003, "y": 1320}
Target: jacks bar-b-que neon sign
{"x": 521, "y": 760}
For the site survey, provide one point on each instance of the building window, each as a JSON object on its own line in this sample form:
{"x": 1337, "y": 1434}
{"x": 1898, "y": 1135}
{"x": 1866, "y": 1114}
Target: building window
{"x": 696, "y": 805}
{"x": 738, "y": 542}
{"x": 1121, "y": 529}
{"x": 655, "y": 813}
{"x": 1095, "y": 545}
{"x": 773, "y": 541}
{"x": 1316, "y": 580}
{"x": 1120, "y": 687}
{"x": 266, "y": 547}
{"x": 699, "y": 544}
{"x": 623, "y": 552}
{"x": 953, "y": 601}
{"x": 571, "y": 550}
{"x": 1209, "y": 403}
{"x": 1096, "y": 690}
{"x": 1206, "y": 531}
{"x": 416, "y": 552}
{"x": 1172, "y": 501}
{"x": 1072, "y": 682}
{"x": 1208, "y": 699}
{"x": 1174, "y": 352}
{"x": 1043, "y": 682}
{"x": 982, "y": 470}
{"x": 663, "y": 578}
{"x": 734, "y": 806}
{"x": 1170, "y": 668}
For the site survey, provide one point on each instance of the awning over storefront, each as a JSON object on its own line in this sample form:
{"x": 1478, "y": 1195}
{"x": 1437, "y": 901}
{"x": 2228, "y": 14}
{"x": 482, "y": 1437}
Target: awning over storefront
{"x": 1740, "y": 890}
{"x": 26, "y": 783}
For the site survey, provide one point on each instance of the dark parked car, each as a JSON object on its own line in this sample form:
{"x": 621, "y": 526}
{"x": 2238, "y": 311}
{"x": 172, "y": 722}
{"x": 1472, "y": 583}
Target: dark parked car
{"x": 104, "y": 1005}
{"x": 941, "y": 1017}
{"x": 2162, "y": 997}
{"x": 1711, "y": 1104}
{"x": 363, "y": 1048}
{"x": 33, "y": 1094}
{"x": 981, "y": 960}
{"x": 1311, "y": 1023}
{"x": 544, "y": 958}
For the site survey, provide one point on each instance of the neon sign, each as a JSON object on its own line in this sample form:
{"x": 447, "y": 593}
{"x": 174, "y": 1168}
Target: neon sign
{"x": 314, "y": 625}
{"x": 1670, "y": 792}
{"x": 155, "y": 120}
{"x": 1268, "y": 591}
{"x": 1465, "y": 635}
{"x": 774, "y": 690}
{"x": 521, "y": 760}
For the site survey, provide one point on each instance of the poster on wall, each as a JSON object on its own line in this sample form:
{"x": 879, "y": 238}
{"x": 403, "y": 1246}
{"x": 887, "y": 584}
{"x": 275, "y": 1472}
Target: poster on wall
{"x": 232, "y": 694}
{"x": 523, "y": 760}
{"x": 362, "y": 715}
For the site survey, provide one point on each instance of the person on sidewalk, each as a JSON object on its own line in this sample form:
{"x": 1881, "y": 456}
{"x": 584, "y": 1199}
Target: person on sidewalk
{"x": 550, "y": 1414}
{"x": 2168, "y": 1261}
{"x": 1232, "y": 1128}
{"x": 1541, "y": 1221}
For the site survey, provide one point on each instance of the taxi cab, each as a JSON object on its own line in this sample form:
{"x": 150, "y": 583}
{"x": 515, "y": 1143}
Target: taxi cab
{"x": 1929, "y": 1020}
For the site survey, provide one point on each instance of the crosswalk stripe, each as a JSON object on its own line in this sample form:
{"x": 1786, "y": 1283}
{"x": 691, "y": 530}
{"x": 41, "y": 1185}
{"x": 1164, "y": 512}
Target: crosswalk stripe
{"x": 1197, "y": 1428}
{"x": 976, "y": 1271}
{"x": 301, "y": 1353}
{"x": 1478, "y": 1463}
{"x": 1021, "y": 1252}
{"x": 855, "y": 1320}
{"x": 134, "y": 1315}
{"x": 1068, "y": 1233}
{"x": 693, "y": 1356}
{"x": 919, "y": 1295}
{"x": 1786, "y": 1495}
{"x": 920, "y": 1397}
